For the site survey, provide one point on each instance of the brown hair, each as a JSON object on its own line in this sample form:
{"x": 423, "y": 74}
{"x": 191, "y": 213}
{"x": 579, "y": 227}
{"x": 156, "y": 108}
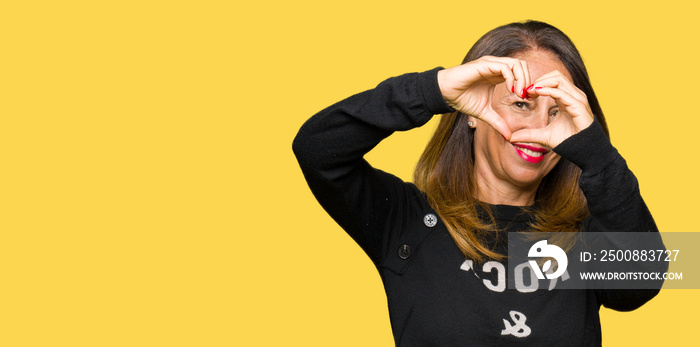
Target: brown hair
{"x": 445, "y": 171}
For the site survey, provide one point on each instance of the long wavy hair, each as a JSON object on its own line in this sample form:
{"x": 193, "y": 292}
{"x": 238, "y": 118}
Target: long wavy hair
{"x": 445, "y": 171}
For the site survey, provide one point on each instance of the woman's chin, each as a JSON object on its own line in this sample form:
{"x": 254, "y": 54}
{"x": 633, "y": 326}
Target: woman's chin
{"x": 525, "y": 178}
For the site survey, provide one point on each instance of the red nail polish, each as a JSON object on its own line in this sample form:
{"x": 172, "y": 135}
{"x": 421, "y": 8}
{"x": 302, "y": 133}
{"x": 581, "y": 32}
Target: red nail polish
{"x": 530, "y": 87}
{"x": 538, "y": 88}
{"x": 525, "y": 94}
{"x": 512, "y": 89}
{"x": 504, "y": 137}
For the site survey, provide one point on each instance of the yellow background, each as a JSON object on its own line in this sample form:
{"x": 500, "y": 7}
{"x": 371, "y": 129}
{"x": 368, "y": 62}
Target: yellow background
{"x": 150, "y": 196}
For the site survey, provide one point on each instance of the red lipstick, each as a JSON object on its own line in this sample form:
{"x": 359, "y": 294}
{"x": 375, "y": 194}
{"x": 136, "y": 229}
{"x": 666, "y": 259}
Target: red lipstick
{"x": 528, "y": 157}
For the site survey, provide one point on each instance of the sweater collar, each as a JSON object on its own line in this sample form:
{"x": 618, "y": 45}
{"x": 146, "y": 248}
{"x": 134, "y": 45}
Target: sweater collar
{"x": 512, "y": 213}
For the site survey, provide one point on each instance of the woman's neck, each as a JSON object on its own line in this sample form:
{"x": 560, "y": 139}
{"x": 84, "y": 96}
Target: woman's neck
{"x": 495, "y": 191}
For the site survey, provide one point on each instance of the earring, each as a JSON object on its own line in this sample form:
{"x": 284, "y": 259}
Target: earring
{"x": 471, "y": 124}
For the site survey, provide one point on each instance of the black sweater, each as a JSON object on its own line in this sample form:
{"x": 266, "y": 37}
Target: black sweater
{"x": 435, "y": 295}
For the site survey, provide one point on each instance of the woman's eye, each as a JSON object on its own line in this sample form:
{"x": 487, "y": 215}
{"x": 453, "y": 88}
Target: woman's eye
{"x": 520, "y": 105}
{"x": 554, "y": 113}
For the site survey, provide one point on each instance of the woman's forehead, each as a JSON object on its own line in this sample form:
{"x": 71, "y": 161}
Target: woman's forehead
{"x": 541, "y": 62}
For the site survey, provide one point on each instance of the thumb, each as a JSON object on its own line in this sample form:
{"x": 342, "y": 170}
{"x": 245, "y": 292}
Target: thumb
{"x": 540, "y": 136}
{"x": 497, "y": 122}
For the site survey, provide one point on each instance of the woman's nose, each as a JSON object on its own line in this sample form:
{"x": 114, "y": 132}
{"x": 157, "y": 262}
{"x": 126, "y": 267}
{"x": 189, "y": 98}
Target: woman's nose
{"x": 534, "y": 119}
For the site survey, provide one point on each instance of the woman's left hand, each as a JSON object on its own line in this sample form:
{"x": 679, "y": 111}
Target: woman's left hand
{"x": 573, "y": 116}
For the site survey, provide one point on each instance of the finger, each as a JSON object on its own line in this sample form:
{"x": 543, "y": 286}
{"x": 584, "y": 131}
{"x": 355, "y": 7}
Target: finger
{"x": 564, "y": 100}
{"x": 497, "y": 122}
{"x": 527, "y": 84}
{"x": 556, "y": 79}
{"x": 454, "y": 80}
{"x": 498, "y": 69}
{"x": 551, "y": 74}
{"x": 504, "y": 67}
{"x": 580, "y": 112}
{"x": 520, "y": 78}
{"x": 520, "y": 74}
{"x": 540, "y": 135}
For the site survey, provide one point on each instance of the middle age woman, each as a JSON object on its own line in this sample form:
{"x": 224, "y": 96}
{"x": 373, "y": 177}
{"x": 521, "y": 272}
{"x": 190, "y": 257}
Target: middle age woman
{"x": 522, "y": 145}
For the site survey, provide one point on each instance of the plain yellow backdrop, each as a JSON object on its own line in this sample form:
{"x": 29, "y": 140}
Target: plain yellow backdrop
{"x": 149, "y": 195}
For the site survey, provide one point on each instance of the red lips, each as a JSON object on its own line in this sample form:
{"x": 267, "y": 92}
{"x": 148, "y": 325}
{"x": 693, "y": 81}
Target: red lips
{"x": 528, "y": 156}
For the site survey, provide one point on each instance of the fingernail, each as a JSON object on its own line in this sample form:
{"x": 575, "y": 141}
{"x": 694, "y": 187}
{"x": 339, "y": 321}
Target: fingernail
{"x": 512, "y": 89}
{"x": 530, "y": 87}
{"x": 525, "y": 94}
{"x": 538, "y": 88}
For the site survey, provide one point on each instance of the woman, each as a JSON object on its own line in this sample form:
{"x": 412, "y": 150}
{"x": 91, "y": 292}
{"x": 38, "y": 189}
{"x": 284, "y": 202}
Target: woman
{"x": 522, "y": 146}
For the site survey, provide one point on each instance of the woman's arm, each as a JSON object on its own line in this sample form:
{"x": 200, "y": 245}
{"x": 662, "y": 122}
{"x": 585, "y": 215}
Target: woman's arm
{"x": 611, "y": 190}
{"x": 615, "y": 205}
{"x": 330, "y": 148}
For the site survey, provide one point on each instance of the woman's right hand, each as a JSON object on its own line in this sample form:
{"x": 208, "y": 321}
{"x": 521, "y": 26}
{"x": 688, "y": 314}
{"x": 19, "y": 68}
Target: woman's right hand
{"x": 468, "y": 88}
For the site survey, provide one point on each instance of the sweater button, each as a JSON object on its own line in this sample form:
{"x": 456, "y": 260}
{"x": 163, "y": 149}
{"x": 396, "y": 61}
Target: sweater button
{"x": 430, "y": 220}
{"x": 404, "y": 252}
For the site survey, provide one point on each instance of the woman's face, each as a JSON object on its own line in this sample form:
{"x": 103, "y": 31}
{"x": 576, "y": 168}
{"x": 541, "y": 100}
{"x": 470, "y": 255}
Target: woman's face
{"x": 505, "y": 167}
